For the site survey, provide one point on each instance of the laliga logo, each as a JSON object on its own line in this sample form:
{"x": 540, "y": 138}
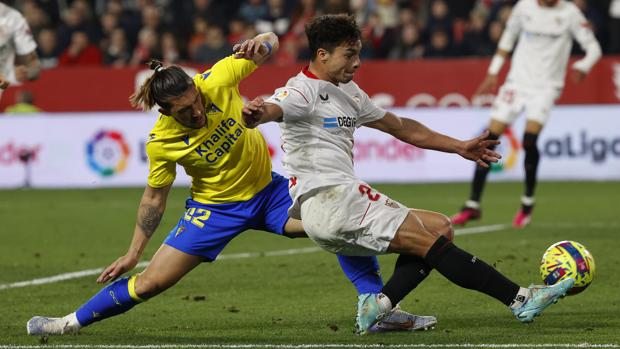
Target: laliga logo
{"x": 510, "y": 155}
{"x": 107, "y": 153}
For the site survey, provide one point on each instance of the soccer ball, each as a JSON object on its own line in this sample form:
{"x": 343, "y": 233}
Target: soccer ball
{"x": 566, "y": 259}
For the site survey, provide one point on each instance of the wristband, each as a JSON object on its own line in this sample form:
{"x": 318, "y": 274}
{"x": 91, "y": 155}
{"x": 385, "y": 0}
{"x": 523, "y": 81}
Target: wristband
{"x": 496, "y": 64}
{"x": 268, "y": 47}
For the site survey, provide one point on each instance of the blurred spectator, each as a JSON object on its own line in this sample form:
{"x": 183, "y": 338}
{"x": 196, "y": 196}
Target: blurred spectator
{"x": 335, "y": 7}
{"x": 377, "y": 37}
{"x": 614, "y": 26}
{"x": 117, "y": 52}
{"x": 276, "y": 20}
{"x": 236, "y": 31}
{"x": 439, "y": 18}
{"x": 439, "y": 45}
{"x": 495, "y": 33}
{"x": 475, "y": 40}
{"x": 47, "y": 49}
{"x": 74, "y": 20}
{"x": 80, "y": 51}
{"x": 170, "y": 51}
{"x": 409, "y": 45}
{"x": 388, "y": 12}
{"x": 35, "y": 16}
{"x": 215, "y": 48}
{"x": 199, "y": 35}
{"x": 24, "y": 103}
{"x": 252, "y": 10}
{"x": 146, "y": 48}
{"x": 151, "y": 18}
{"x": 595, "y": 19}
{"x": 362, "y": 9}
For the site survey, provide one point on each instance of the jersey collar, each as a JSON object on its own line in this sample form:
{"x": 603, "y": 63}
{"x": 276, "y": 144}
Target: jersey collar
{"x": 306, "y": 71}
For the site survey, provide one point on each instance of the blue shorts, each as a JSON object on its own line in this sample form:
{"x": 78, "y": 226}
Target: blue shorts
{"x": 204, "y": 230}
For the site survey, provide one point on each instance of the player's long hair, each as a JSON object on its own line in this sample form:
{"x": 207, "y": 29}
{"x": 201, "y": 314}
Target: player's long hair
{"x": 159, "y": 88}
{"x": 329, "y": 31}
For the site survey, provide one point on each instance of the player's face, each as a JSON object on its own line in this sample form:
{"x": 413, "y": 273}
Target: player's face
{"x": 189, "y": 108}
{"x": 343, "y": 62}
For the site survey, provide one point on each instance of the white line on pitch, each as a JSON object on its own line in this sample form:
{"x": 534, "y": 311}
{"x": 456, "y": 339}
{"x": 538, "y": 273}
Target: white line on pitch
{"x": 312, "y": 346}
{"x": 90, "y": 272}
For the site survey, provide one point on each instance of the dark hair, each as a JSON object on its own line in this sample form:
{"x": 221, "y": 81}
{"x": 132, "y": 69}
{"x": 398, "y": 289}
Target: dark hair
{"x": 165, "y": 83}
{"x": 329, "y": 31}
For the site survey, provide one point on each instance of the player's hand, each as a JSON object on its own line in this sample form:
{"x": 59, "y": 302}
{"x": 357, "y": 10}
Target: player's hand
{"x": 4, "y": 83}
{"x": 489, "y": 84}
{"x": 477, "y": 150}
{"x": 21, "y": 73}
{"x": 252, "y": 112}
{"x": 118, "y": 268}
{"x": 247, "y": 49}
{"x": 577, "y": 75}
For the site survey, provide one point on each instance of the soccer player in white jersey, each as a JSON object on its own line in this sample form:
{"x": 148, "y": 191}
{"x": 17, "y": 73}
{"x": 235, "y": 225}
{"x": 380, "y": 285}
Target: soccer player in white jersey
{"x": 319, "y": 110}
{"x": 16, "y": 40}
{"x": 545, "y": 30}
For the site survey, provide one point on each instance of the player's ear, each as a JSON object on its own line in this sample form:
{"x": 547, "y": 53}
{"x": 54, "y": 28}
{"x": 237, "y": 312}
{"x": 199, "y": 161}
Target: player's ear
{"x": 322, "y": 54}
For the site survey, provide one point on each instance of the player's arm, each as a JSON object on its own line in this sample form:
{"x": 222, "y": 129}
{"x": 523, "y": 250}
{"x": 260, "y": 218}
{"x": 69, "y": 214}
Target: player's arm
{"x": 150, "y": 211}
{"x": 582, "y": 32}
{"x": 415, "y": 133}
{"x": 505, "y": 45}
{"x": 258, "y": 112}
{"x": 29, "y": 67}
{"x": 258, "y": 49}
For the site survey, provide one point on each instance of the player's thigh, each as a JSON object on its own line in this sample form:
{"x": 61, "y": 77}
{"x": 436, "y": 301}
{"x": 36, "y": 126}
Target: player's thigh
{"x": 166, "y": 268}
{"x": 419, "y": 232}
{"x": 538, "y": 107}
{"x": 352, "y": 219}
{"x": 507, "y": 105}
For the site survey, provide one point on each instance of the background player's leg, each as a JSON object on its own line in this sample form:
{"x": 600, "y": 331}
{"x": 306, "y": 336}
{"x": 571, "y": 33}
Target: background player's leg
{"x": 471, "y": 209}
{"x": 532, "y": 157}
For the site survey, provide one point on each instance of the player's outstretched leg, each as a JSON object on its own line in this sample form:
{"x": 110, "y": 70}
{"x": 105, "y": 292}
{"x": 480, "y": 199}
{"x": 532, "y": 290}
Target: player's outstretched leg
{"x": 167, "y": 267}
{"x": 471, "y": 210}
{"x": 532, "y": 157}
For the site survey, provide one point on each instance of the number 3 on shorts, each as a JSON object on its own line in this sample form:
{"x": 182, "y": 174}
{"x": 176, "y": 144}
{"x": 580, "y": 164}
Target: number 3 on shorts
{"x": 197, "y": 216}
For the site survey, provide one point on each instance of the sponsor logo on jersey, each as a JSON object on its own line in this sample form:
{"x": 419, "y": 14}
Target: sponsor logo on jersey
{"x": 340, "y": 121}
{"x": 324, "y": 98}
{"x": 220, "y": 141}
{"x": 280, "y": 96}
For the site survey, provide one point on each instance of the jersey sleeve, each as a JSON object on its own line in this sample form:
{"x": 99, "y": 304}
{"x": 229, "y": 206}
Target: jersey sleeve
{"x": 369, "y": 111}
{"x": 294, "y": 101}
{"x": 162, "y": 171}
{"x": 24, "y": 42}
{"x": 513, "y": 29}
{"x": 581, "y": 30}
{"x": 230, "y": 71}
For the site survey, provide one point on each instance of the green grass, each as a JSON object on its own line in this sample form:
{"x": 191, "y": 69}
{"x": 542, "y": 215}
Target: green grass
{"x": 303, "y": 298}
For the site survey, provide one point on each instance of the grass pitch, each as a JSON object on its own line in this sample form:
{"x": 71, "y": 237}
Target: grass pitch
{"x": 303, "y": 298}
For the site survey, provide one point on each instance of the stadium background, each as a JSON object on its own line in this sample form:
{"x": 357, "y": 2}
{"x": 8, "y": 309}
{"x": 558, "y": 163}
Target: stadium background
{"x": 422, "y": 58}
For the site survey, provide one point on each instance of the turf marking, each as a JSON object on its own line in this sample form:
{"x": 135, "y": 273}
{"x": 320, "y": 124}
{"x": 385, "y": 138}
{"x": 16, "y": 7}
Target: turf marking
{"x": 311, "y": 346}
{"x": 293, "y": 251}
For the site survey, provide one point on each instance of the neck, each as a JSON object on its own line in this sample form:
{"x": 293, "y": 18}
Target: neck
{"x": 315, "y": 69}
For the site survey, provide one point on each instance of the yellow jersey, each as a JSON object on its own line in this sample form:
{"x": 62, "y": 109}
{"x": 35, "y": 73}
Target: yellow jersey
{"x": 226, "y": 161}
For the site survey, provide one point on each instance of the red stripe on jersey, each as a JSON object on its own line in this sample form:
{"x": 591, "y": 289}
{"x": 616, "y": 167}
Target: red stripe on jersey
{"x": 298, "y": 91}
{"x": 308, "y": 73}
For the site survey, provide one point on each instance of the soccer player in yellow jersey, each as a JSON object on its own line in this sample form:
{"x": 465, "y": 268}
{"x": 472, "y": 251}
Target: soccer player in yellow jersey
{"x": 233, "y": 189}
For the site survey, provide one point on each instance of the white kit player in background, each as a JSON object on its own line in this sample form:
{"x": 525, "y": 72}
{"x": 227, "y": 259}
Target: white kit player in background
{"x": 544, "y": 32}
{"x": 16, "y": 42}
{"x": 319, "y": 111}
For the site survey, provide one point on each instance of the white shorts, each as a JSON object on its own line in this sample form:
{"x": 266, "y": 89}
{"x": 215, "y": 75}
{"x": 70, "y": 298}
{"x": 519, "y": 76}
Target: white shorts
{"x": 352, "y": 219}
{"x": 512, "y": 99}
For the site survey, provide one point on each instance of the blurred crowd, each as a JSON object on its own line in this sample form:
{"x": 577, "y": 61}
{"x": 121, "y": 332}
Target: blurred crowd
{"x": 129, "y": 32}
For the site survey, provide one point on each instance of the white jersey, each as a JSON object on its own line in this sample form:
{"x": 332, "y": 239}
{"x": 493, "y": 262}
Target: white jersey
{"x": 319, "y": 119}
{"x": 545, "y": 40}
{"x": 15, "y": 38}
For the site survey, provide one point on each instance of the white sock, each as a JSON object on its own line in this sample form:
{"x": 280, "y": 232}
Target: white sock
{"x": 522, "y": 296}
{"x": 72, "y": 321}
{"x": 527, "y": 201}
{"x": 472, "y": 204}
{"x": 384, "y": 303}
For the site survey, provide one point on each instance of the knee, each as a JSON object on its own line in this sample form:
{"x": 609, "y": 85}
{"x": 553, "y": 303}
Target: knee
{"x": 146, "y": 287}
{"x": 445, "y": 228}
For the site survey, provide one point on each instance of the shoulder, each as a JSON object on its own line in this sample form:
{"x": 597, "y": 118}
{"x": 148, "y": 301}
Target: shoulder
{"x": 301, "y": 86}
{"x": 14, "y": 16}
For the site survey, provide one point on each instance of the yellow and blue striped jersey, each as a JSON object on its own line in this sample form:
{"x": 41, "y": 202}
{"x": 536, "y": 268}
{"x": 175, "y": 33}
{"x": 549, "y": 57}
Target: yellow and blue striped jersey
{"x": 226, "y": 161}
